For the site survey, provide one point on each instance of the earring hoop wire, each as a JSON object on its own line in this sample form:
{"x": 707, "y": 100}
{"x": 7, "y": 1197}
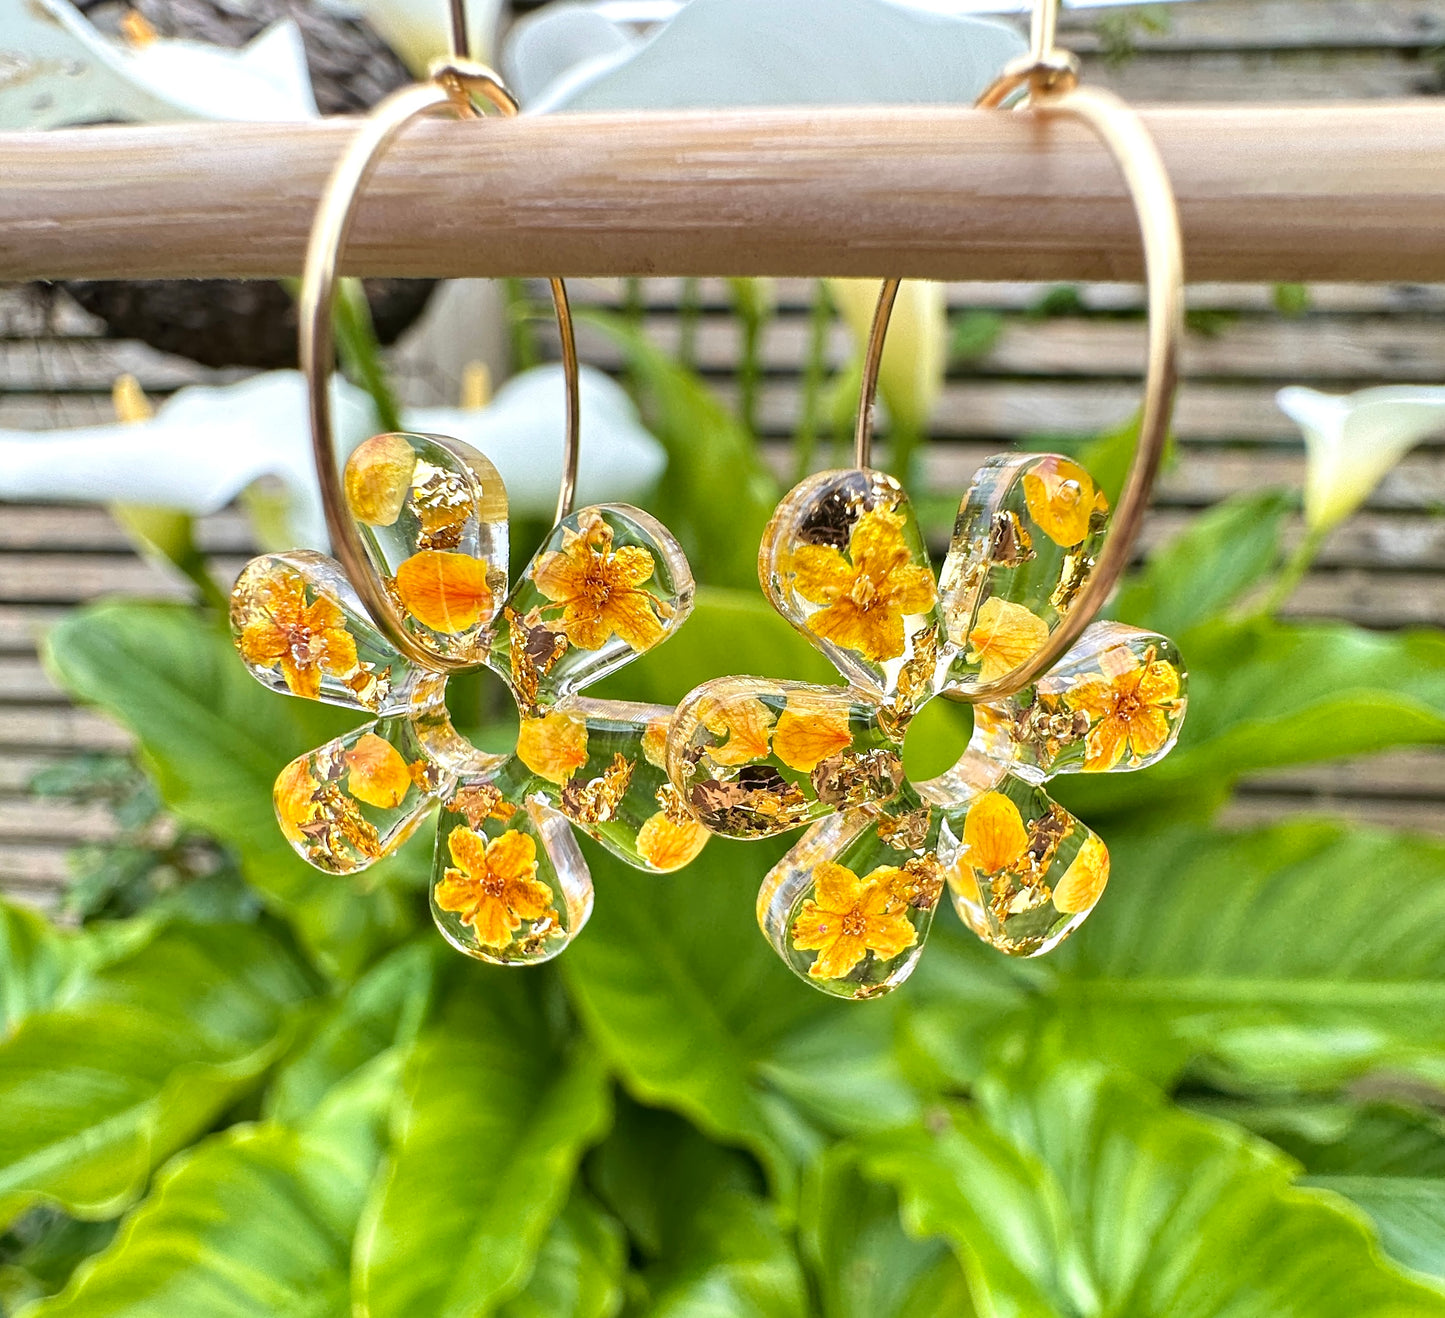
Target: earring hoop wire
{"x": 454, "y": 84}
{"x": 1050, "y": 77}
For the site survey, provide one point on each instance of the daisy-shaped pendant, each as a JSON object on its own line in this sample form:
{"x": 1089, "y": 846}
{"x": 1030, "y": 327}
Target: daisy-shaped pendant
{"x": 848, "y": 908}
{"x": 509, "y": 883}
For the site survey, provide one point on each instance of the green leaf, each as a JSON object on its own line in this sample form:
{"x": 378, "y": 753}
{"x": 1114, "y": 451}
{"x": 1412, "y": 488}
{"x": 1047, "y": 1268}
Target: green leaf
{"x": 1407, "y": 1211}
{"x": 1289, "y": 958}
{"x": 712, "y": 1246}
{"x": 1264, "y": 694}
{"x": 499, "y": 1105}
{"x": 144, "y": 1057}
{"x": 1080, "y": 1192}
{"x": 696, "y": 1013}
{"x": 717, "y": 494}
{"x": 1200, "y": 573}
{"x": 864, "y": 1264}
{"x": 215, "y": 739}
{"x": 381, "y": 1011}
{"x": 579, "y": 1267}
{"x": 35, "y": 959}
{"x": 254, "y": 1223}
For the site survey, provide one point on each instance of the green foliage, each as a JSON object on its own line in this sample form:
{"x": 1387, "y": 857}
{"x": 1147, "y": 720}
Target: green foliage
{"x": 262, "y": 1091}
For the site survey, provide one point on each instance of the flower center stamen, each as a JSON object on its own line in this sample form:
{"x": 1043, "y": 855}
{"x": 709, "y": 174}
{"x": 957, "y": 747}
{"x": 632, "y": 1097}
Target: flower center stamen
{"x": 855, "y": 924}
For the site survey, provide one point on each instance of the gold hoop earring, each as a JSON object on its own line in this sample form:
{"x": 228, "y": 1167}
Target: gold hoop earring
{"x": 1007, "y": 628}
{"x": 419, "y": 523}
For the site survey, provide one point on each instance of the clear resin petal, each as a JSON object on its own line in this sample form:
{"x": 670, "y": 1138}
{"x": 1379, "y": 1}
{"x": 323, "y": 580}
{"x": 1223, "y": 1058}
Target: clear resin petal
{"x": 1027, "y": 536}
{"x": 610, "y": 583}
{"x": 752, "y": 757}
{"x": 358, "y": 798}
{"x": 300, "y": 629}
{"x": 604, "y": 766}
{"x": 1115, "y": 701}
{"x": 432, "y": 513}
{"x": 848, "y": 908}
{"x": 1023, "y": 872}
{"x": 843, "y": 560}
{"x": 509, "y": 884}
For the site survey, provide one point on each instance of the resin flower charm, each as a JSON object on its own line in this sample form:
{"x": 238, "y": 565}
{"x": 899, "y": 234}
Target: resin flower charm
{"x": 509, "y": 883}
{"x": 848, "y": 908}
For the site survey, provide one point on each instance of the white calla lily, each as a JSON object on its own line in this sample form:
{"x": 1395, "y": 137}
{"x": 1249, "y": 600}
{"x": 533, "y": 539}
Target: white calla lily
{"x": 756, "y": 52}
{"x": 206, "y": 445}
{"x": 60, "y": 70}
{"x": 1352, "y": 441}
{"x": 915, "y": 354}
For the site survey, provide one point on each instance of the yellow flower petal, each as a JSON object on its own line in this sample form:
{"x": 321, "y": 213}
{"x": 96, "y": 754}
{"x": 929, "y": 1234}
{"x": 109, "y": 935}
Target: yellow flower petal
{"x": 1003, "y": 636}
{"x": 444, "y": 591}
{"x": 1084, "y": 880}
{"x": 378, "y": 479}
{"x": 379, "y": 774}
{"x": 553, "y": 746}
{"x": 809, "y": 731}
{"x": 666, "y": 845}
{"x": 994, "y": 835}
{"x": 598, "y": 588}
{"x": 654, "y": 743}
{"x": 1061, "y": 498}
{"x": 744, "y": 720}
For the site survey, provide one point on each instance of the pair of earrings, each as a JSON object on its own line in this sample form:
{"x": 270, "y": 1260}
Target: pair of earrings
{"x": 419, "y": 524}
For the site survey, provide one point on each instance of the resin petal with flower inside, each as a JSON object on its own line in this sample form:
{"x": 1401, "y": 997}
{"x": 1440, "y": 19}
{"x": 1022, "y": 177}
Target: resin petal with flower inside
{"x": 849, "y": 907}
{"x": 752, "y": 757}
{"x": 1116, "y": 700}
{"x": 598, "y": 772}
{"x": 843, "y": 560}
{"x": 609, "y": 584}
{"x": 301, "y": 630}
{"x": 432, "y": 513}
{"x": 1023, "y": 872}
{"x": 509, "y": 884}
{"x": 1026, "y": 538}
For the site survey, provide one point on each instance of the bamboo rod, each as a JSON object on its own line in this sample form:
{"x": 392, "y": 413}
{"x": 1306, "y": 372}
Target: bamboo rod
{"x": 1324, "y": 192}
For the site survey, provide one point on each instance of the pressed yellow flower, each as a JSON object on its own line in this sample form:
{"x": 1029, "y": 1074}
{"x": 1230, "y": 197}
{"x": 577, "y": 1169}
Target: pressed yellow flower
{"x": 1132, "y": 703}
{"x": 1084, "y": 880}
{"x": 1062, "y": 498}
{"x": 293, "y": 793}
{"x": 848, "y": 917}
{"x": 994, "y": 836}
{"x": 444, "y": 591}
{"x": 745, "y": 721}
{"x": 307, "y": 640}
{"x": 378, "y": 477}
{"x": 379, "y": 774}
{"x": 867, "y": 594}
{"x": 493, "y": 886}
{"x": 667, "y": 845}
{"x": 654, "y": 743}
{"x": 554, "y": 746}
{"x": 598, "y": 588}
{"x": 809, "y": 731}
{"x": 1003, "y": 636}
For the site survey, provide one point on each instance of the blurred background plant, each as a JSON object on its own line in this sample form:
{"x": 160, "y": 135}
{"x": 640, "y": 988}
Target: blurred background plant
{"x": 233, "y": 1085}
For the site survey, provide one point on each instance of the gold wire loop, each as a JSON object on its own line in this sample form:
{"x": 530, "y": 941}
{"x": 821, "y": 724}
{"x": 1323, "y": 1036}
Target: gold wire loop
{"x": 1050, "y": 77}
{"x": 452, "y": 89}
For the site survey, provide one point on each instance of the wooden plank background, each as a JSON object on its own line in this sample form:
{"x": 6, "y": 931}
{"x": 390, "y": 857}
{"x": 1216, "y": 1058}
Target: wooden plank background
{"x": 1072, "y": 374}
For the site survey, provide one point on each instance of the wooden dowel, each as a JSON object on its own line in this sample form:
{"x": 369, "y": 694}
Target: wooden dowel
{"x": 1320, "y": 192}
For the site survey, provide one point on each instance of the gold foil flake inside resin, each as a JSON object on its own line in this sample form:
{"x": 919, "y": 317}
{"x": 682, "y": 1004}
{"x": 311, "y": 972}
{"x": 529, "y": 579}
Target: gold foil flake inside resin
{"x": 370, "y": 685}
{"x": 479, "y": 802}
{"x": 1046, "y": 726}
{"x": 1009, "y": 545}
{"x": 906, "y": 832}
{"x": 855, "y": 777}
{"x": 1073, "y": 577}
{"x": 596, "y": 801}
{"x": 919, "y": 883}
{"x": 758, "y": 801}
{"x": 671, "y": 803}
{"x": 442, "y": 502}
{"x": 534, "y": 650}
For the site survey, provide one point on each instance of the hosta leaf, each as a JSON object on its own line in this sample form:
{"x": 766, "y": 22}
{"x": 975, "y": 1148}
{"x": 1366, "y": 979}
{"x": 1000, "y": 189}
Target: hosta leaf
{"x": 579, "y": 1267}
{"x": 1077, "y": 1191}
{"x": 711, "y": 1245}
{"x": 215, "y": 740}
{"x": 253, "y": 1223}
{"x": 35, "y": 959}
{"x": 148, "y": 1052}
{"x": 1407, "y": 1211}
{"x": 498, "y": 1107}
{"x": 864, "y": 1264}
{"x": 382, "y": 1010}
{"x": 1209, "y": 566}
{"x": 1293, "y": 957}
